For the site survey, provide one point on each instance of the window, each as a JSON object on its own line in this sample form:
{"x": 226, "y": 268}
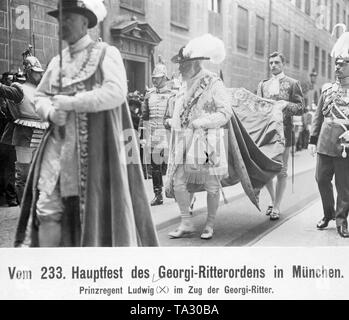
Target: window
{"x": 260, "y": 35}
{"x": 323, "y": 63}
{"x": 317, "y": 58}
{"x": 299, "y": 4}
{"x": 134, "y": 5}
{"x": 180, "y": 11}
{"x": 316, "y": 97}
{"x": 306, "y": 55}
{"x": 274, "y": 42}
{"x": 329, "y": 67}
{"x": 243, "y": 25}
{"x": 214, "y": 5}
{"x": 297, "y": 51}
{"x": 286, "y": 46}
{"x": 344, "y": 16}
{"x": 337, "y": 18}
{"x": 307, "y": 8}
{"x": 215, "y": 24}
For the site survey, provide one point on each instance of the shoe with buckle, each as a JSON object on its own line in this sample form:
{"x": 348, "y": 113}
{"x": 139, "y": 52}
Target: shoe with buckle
{"x": 207, "y": 234}
{"x": 274, "y": 215}
{"x": 323, "y": 223}
{"x": 269, "y": 210}
{"x": 181, "y": 233}
{"x": 343, "y": 231}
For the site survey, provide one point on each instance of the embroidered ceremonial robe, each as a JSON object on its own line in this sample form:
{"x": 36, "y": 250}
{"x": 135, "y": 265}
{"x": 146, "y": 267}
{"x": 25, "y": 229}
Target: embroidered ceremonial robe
{"x": 246, "y": 163}
{"x": 93, "y": 165}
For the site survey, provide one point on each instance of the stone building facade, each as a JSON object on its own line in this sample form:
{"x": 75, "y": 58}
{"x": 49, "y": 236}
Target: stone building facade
{"x": 24, "y": 22}
{"x": 144, "y": 29}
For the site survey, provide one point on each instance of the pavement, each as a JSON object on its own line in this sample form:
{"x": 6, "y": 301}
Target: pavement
{"x": 168, "y": 213}
{"x": 300, "y": 231}
{"x": 246, "y": 227}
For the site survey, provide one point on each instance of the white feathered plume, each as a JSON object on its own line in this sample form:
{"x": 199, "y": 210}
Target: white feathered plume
{"x": 97, "y": 7}
{"x": 341, "y": 47}
{"x": 206, "y": 46}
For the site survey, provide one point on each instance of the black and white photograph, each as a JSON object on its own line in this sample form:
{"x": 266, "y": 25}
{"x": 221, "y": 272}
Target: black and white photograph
{"x": 174, "y": 149}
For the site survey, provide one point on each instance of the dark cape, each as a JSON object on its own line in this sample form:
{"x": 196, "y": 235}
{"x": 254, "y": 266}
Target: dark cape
{"x": 116, "y": 209}
{"x": 246, "y": 163}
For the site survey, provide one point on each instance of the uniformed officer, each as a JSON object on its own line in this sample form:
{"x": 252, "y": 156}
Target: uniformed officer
{"x": 155, "y": 105}
{"x": 330, "y": 139}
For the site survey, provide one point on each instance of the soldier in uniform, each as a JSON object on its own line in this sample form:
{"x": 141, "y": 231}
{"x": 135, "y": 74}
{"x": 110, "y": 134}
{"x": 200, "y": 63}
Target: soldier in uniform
{"x": 155, "y": 105}
{"x": 26, "y": 132}
{"x": 330, "y": 139}
{"x": 281, "y": 87}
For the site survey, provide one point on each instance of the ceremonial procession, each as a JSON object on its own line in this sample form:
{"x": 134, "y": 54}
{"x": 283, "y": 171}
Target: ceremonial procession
{"x": 218, "y": 123}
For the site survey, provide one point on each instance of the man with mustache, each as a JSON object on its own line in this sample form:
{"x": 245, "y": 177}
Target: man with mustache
{"x": 84, "y": 189}
{"x": 330, "y": 140}
{"x": 281, "y": 87}
{"x": 153, "y": 110}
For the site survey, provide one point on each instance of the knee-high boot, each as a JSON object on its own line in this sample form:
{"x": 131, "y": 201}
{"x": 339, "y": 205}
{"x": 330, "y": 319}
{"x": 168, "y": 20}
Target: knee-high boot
{"x": 22, "y": 170}
{"x": 212, "y": 207}
{"x": 186, "y": 226}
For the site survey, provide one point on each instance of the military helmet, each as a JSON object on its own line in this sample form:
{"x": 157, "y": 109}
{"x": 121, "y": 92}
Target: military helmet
{"x": 32, "y": 63}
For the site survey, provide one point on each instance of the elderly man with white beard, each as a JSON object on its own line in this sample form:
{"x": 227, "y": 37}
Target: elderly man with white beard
{"x": 202, "y": 107}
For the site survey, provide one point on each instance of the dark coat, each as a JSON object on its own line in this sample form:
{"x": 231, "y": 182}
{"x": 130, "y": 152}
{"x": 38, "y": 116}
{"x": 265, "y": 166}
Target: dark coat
{"x": 112, "y": 209}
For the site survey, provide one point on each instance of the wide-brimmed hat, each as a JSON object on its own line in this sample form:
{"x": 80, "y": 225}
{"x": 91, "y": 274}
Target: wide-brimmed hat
{"x": 206, "y": 47}
{"x": 93, "y": 10}
{"x": 180, "y": 58}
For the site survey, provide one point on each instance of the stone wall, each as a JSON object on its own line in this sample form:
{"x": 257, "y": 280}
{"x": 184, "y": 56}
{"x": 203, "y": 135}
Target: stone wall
{"x": 24, "y": 22}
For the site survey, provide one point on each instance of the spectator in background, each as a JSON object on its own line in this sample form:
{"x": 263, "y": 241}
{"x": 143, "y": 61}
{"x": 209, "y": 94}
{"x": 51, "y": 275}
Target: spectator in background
{"x": 26, "y": 132}
{"x": 7, "y": 152}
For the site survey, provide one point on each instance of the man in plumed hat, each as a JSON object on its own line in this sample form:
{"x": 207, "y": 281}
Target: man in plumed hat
{"x": 154, "y": 107}
{"x": 83, "y": 190}
{"x": 209, "y": 147}
{"x": 330, "y": 140}
{"x": 202, "y": 105}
